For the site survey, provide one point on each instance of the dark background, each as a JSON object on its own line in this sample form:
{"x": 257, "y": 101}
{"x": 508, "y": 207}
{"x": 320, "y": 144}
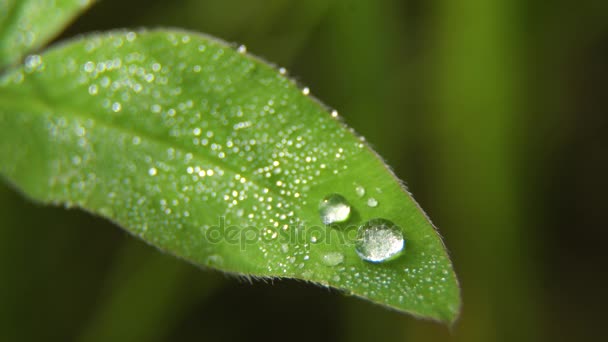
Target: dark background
{"x": 495, "y": 112}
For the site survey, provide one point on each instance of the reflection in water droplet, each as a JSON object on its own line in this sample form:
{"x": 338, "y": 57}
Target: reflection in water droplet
{"x": 379, "y": 240}
{"x": 372, "y": 202}
{"x": 360, "y": 191}
{"x": 333, "y": 258}
{"x": 334, "y": 209}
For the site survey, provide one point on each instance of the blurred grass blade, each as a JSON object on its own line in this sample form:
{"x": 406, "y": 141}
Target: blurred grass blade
{"x": 26, "y": 25}
{"x": 214, "y": 156}
{"x": 142, "y": 278}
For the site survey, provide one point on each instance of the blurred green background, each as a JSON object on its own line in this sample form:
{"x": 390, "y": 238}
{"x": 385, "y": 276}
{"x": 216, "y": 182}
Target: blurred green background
{"x": 494, "y": 111}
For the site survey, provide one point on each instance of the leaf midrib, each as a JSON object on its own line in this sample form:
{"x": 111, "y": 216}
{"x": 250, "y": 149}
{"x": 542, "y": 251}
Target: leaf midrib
{"x": 41, "y": 105}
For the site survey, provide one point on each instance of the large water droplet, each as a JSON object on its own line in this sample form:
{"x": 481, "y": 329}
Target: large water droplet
{"x": 334, "y": 209}
{"x": 333, "y": 258}
{"x": 379, "y": 240}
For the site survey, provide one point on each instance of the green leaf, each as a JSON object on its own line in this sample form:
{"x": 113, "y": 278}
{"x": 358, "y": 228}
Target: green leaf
{"x": 26, "y": 25}
{"x": 216, "y": 157}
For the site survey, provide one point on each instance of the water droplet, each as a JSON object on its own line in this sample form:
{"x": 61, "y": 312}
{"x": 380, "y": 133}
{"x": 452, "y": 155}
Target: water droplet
{"x": 333, "y": 258}
{"x": 131, "y": 36}
{"x": 372, "y": 202}
{"x": 93, "y": 89}
{"x": 152, "y": 171}
{"x": 334, "y": 209}
{"x": 360, "y": 191}
{"x": 285, "y": 248}
{"x": 306, "y": 91}
{"x": 32, "y": 62}
{"x": 214, "y": 260}
{"x": 116, "y": 107}
{"x": 379, "y": 240}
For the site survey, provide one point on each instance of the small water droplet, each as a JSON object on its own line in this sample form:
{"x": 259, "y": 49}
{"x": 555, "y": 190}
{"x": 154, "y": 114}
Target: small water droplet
{"x": 214, "y": 260}
{"x": 131, "y": 36}
{"x": 285, "y": 248}
{"x": 152, "y": 171}
{"x": 379, "y": 240}
{"x": 93, "y": 89}
{"x": 372, "y": 202}
{"x": 333, "y": 258}
{"x": 116, "y": 107}
{"x": 306, "y": 91}
{"x": 32, "y": 62}
{"x": 360, "y": 190}
{"x": 334, "y": 209}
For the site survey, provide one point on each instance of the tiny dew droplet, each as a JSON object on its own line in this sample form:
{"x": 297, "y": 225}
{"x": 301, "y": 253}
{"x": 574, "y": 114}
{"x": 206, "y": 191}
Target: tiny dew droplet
{"x": 379, "y": 240}
{"x": 372, "y": 202}
{"x": 334, "y": 209}
{"x": 214, "y": 260}
{"x": 333, "y": 258}
{"x": 360, "y": 190}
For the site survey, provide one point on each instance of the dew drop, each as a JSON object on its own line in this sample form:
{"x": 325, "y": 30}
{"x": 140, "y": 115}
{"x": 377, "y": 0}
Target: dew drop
{"x": 285, "y": 248}
{"x": 372, "y": 202}
{"x": 379, "y": 240}
{"x": 116, "y": 107}
{"x": 333, "y": 258}
{"x": 152, "y": 171}
{"x": 93, "y": 89}
{"x": 214, "y": 260}
{"x": 32, "y": 62}
{"x": 360, "y": 191}
{"x": 334, "y": 209}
